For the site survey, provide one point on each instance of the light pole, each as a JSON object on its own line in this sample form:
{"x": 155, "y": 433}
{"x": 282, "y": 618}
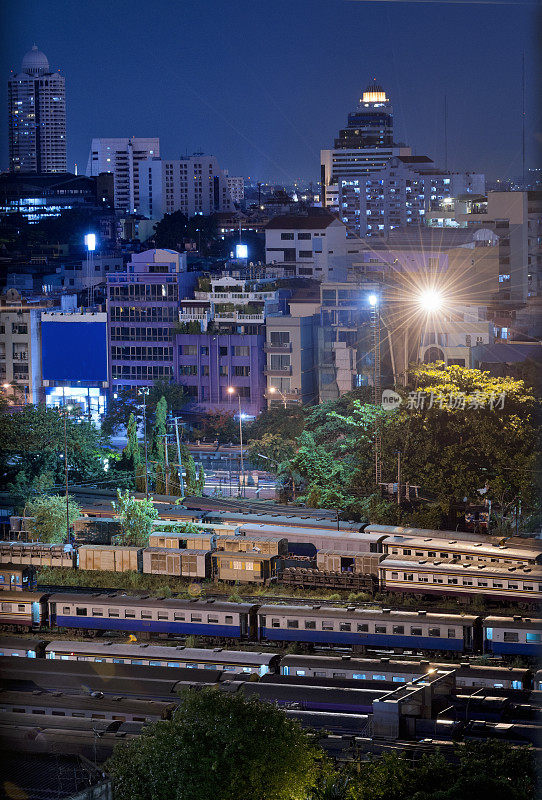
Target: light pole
{"x": 144, "y": 391}
{"x": 231, "y": 390}
{"x": 274, "y": 390}
{"x": 67, "y": 410}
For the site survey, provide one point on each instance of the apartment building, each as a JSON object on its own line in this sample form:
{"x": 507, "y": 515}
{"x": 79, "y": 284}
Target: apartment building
{"x": 122, "y": 157}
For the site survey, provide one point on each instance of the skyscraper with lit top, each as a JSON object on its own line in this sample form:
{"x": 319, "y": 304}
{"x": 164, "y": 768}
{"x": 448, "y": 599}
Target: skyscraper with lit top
{"x": 37, "y": 117}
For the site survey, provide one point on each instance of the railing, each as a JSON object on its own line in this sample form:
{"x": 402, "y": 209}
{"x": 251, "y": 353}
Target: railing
{"x": 236, "y": 316}
{"x": 277, "y": 348}
{"x": 278, "y": 371}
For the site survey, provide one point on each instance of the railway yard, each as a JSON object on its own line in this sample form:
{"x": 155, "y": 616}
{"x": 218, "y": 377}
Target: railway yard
{"x": 84, "y": 667}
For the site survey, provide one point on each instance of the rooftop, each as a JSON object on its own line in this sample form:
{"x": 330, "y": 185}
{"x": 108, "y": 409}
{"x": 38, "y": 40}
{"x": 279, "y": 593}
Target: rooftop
{"x": 294, "y": 222}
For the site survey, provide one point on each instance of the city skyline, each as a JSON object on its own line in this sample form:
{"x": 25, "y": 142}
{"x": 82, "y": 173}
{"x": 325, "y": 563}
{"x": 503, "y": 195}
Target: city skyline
{"x": 258, "y": 120}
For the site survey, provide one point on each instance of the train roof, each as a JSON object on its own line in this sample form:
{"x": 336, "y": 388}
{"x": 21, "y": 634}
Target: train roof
{"x": 381, "y": 614}
{"x": 395, "y": 665}
{"x": 164, "y": 653}
{"x": 524, "y": 572}
{"x": 298, "y": 693}
{"x": 171, "y": 551}
{"x": 513, "y": 622}
{"x": 489, "y": 547}
{"x": 22, "y": 597}
{"x": 108, "y": 547}
{"x": 293, "y": 533}
{"x": 148, "y": 602}
{"x": 399, "y": 530}
{"x": 27, "y": 642}
{"x": 283, "y": 519}
{"x": 84, "y": 702}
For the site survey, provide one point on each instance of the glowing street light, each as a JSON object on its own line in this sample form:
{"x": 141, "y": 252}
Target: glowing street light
{"x": 373, "y": 300}
{"x": 430, "y": 300}
{"x": 274, "y": 390}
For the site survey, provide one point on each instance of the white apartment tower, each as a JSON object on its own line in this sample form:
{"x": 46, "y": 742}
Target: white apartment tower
{"x": 37, "y": 117}
{"x": 193, "y": 185}
{"x": 122, "y": 157}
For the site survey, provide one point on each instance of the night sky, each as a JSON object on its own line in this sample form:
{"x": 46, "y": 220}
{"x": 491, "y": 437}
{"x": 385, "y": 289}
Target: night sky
{"x": 265, "y": 84}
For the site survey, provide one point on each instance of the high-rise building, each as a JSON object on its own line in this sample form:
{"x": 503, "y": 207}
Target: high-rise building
{"x": 37, "y": 117}
{"x": 122, "y": 157}
{"x": 193, "y": 185}
{"x": 363, "y": 147}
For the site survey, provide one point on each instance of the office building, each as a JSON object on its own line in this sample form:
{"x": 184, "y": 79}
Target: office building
{"x": 74, "y": 358}
{"x": 122, "y": 158}
{"x": 37, "y": 117}
{"x": 193, "y": 185}
{"x": 142, "y": 314}
{"x": 363, "y": 147}
{"x": 38, "y": 197}
{"x": 400, "y": 194}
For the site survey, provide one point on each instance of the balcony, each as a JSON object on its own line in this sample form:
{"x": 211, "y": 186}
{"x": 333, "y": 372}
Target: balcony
{"x": 278, "y": 372}
{"x": 237, "y": 316}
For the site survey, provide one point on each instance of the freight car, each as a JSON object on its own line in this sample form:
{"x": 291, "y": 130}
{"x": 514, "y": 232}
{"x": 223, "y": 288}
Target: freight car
{"x": 370, "y": 628}
{"x": 38, "y": 554}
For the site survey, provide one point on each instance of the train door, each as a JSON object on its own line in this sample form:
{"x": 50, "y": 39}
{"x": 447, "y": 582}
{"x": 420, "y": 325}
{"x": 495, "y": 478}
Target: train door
{"x": 52, "y": 614}
{"x": 36, "y": 613}
{"x": 243, "y": 625}
{"x": 467, "y": 637}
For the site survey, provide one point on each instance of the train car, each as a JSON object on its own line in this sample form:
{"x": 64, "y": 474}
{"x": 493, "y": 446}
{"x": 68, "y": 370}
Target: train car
{"x": 22, "y": 646}
{"x": 245, "y": 567}
{"x": 509, "y": 636}
{"x": 248, "y": 543}
{"x": 182, "y": 563}
{"x": 343, "y": 561}
{"x": 399, "y": 530}
{"x": 150, "y": 615}
{"x": 307, "y": 541}
{"x": 183, "y": 541}
{"x": 537, "y": 682}
{"x": 348, "y": 668}
{"x": 22, "y": 610}
{"x": 467, "y": 578}
{"x": 228, "y": 661}
{"x": 58, "y": 704}
{"x": 39, "y": 554}
{"x": 448, "y": 550}
{"x": 268, "y": 520}
{"x": 315, "y": 698}
{"x": 110, "y": 559}
{"x": 369, "y": 628}
{"x": 17, "y": 578}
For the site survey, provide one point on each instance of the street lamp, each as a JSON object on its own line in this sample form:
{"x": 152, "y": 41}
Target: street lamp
{"x": 144, "y": 390}
{"x": 67, "y": 410}
{"x": 430, "y": 300}
{"x": 231, "y": 391}
{"x": 274, "y": 390}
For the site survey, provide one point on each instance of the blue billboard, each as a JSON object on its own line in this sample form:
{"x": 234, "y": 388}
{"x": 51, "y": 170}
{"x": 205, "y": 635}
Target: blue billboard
{"x": 74, "y": 348}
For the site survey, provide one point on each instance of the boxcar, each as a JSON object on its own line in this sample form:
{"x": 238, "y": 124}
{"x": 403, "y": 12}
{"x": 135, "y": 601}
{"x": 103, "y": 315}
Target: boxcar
{"x": 22, "y": 610}
{"x": 512, "y": 636}
{"x": 183, "y": 541}
{"x": 109, "y": 559}
{"x": 146, "y": 614}
{"x": 244, "y": 567}
{"x": 230, "y": 661}
{"x": 369, "y": 628}
{"x": 38, "y": 554}
{"x": 17, "y": 578}
{"x": 175, "y": 561}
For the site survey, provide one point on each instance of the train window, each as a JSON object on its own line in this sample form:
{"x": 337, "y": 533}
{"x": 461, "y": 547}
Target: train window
{"x": 146, "y": 615}
{"x": 379, "y": 677}
{"x": 408, "y": 576}
{"x": 398, "y": 679}
{"x": 482, "y": 583}
{"x": 275, "y": 623}
{"x": 432, "y": 554}
{"x": 136, "y": 661}
{"x": 512, "y": 585}
{"x": 443, "y": 555}
{"x": 228, "y": 619}
{"x": 394, "y": 576}
{"x": 451, "y": 633}
{"x": 155, "y": 663}
{"x": 437, "y": 579}
{"x": 300, "y": 672}
{"x": 66, "y": 609}
{"x": 497, "y": 585}
{"x": 310, "y": 625}
{"x": 418, "y": 552}
{"x": 97, "y": 716}
{"x": 398, "y": 629}
{"x": 363, "y": 627}
{"x": 517, "y": 684}
{"x": 97, "y": 612}
{"x": 77, "y": 714}
{"x": 20, "y": 607}
{"x": 416, "y": 632}
{"x": 118, "y": 661}
{"x": 228, "y": 668}
{"x": 116, "y": 716}
{"x": 163, "y": 615}
{"x": 395, "y": 551}
{"x": 345, "y": 626}
{"x": 292, "y": 623}
{"x": 191, "y": 666}
{"x": 139, "y": 719}
{"x": 489, "y": 633}
{"x": 533, "y": 637}
{"x": 38, "y": 711}
{"x": 434, "y": 631}
{"x": 339, "y": 674}
{"x": 81, "y": 611}
{"x": 178, "y": 617}
{"x": 511, "y": 636}
{"x": 423, "y": 579}
{"x": 6, "y": 606}
{"x": 358, "y": 675}
{"x": 129, "y": 614}
{"x": 527, "y": 587}
{"x": 113, "y": 612}
{"x": 380, "y": 629}
{"x": 59, "y": 713}
{"x": 212, "y": 620}
{"x": 406, "y": 551}
{"x": 173, "y": 664}
{"x": 195, "y": 618}
{"x": 467, "y": 582}
{"x": 327, "y": 625}
{"x": 453, "y": 581}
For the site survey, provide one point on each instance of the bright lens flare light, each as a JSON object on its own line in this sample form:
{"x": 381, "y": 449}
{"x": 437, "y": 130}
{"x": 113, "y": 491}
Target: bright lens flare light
{"x": 373, "y": 300}
{"x": 430, "y": 300}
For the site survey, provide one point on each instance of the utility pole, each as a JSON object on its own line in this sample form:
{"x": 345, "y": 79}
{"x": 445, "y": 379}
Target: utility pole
{"x": 166, "y": 460}
{"x": 242, "y": 478}
{"x": 399, "y": 478}
{"x": 144, "y": 391}
{"x": 67, "y": 409}
{"x": 181, "y": 482}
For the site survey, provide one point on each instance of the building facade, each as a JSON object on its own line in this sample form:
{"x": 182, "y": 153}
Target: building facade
{"x": 38, "y": 197}
{"x": 37, "y": 117}
{"x": 193, "y": 185}
{"x": 291, "y": 352}
{"x": 74, "y": 357}
{"x": 236, "y": 185}
{"x": 142, "y": 314}
{"x": 122, "y": 158}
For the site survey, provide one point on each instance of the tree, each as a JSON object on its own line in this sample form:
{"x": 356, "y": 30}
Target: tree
{"x": 221, "y": 745}
{"x": 171, "y": 231}
{"x": 48, "y": 514}
{"x": 218, "y": 426}
{"x": 269, "y": 451}
{"x": 135, "y": 517}
{"x": 132, "y": 452}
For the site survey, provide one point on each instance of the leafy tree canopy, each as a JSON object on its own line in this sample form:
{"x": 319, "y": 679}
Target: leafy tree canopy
{"x": 220, "y": 745}
{"x": 135, "y": 517}
{"x": 49, "y": 517}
